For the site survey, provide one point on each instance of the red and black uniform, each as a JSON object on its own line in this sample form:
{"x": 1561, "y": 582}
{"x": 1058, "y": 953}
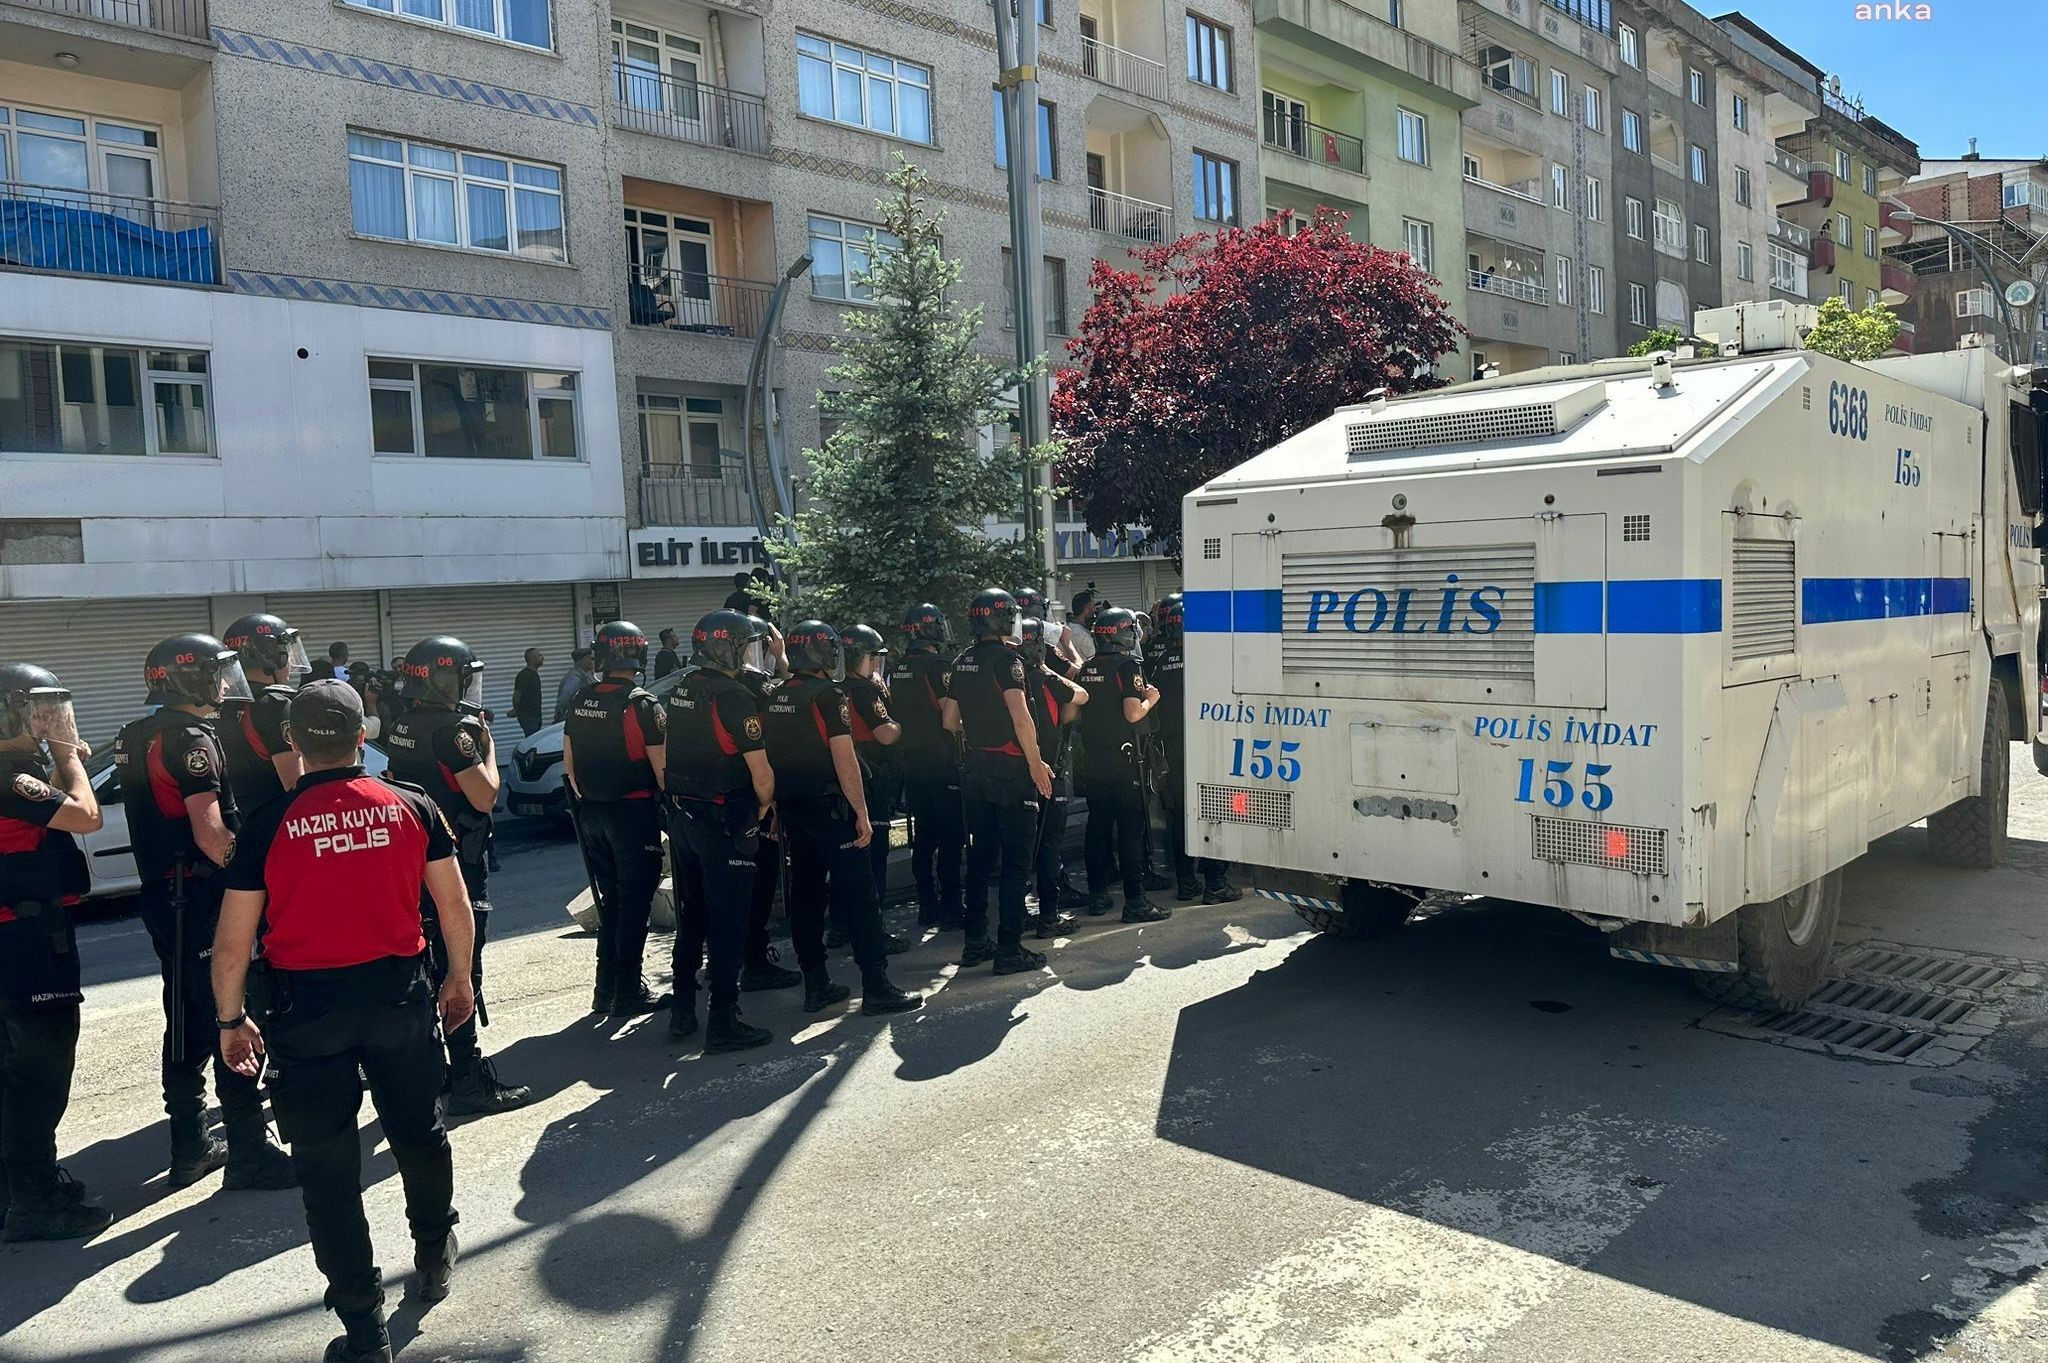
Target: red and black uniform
{"x": 929, "y": 759}
{"x": 42, "y": 875}
{"x": 164, "y": 759}
{"x": 251, "y": 733}
{"x": 714, "y": 829}
{"x": 611, "y": 725}
{"x": 880, "y": 778}
{"x": 342, "y": 864}
{"x": 804, "y": 715}
{"x": 1047, "y": 693}
{"x": 1001, "y": 803}
{"x": 1110, "y": 777}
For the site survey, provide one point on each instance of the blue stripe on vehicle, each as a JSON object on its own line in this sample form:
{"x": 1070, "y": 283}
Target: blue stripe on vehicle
{"x": 1568, "y": 608}
{"x": 1665, "y": 605}
{"x": 1205, "y": 612}
{"x": 1255, "y": 611}
{"x": 1832, "y": 600}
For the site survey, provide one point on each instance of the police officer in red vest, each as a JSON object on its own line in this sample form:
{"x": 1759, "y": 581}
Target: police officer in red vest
{"x": 720, "y": 793}
{"x": 261, "y": 764}
{"x": 930, "y": 759}
{"x": 1055, "y": 703}
{"x": 824, "y": 815}
{"x": 442, "y": 745}
{"x": 875, "y": 733}
{"x": 333, "y": 874}
{"x": 181, "y": 822}
{"x": 613, "y": 757}
{"x": 1112, "y": 732}
{"x": 42, "y": 875}
{"x": 760, "y": 967}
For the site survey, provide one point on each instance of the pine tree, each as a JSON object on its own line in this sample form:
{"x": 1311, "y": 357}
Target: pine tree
{"x": 897, "y": 502}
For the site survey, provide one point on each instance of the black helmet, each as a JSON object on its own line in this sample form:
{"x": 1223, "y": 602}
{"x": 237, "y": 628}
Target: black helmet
{"x": 267, "y": 642}
{"x": 1031, "y": 601}
{"x": 925, "y": 623}
{"x": 24, "y": 688}
{"x": 720, "y": 641}
{"x": 1169, "y": 617}
{"x": 1115, "y": 630}
{"x": 862, "y": 641}
{"x": 813, "y": 646}
{"x": 620, "y": 644}
{"x": 993, "y": 614}
{"x": 1031, "y": 640}
{"x": 192, "y": 669}
{"x": 443, "y": 671}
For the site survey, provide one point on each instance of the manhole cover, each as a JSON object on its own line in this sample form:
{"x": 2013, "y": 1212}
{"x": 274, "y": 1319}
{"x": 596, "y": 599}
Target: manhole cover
{"x": 1901, "y": 1005}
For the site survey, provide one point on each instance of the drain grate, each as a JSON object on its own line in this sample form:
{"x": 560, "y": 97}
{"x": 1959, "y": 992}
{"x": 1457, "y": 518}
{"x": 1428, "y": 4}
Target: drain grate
{"x": 1900, "y": 1005}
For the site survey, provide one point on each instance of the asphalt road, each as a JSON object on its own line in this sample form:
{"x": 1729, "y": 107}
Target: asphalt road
{"x": 1215, "y": 1139}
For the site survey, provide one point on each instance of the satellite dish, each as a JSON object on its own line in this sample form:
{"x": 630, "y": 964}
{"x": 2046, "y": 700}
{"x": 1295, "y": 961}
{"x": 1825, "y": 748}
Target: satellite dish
{"x": 2021, "y": 293}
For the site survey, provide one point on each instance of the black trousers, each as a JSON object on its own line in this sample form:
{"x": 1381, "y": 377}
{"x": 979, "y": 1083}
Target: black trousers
{"x": 931, "y": 794}
{"x": 38, "y": 1046}
{"x": 622, "y": 847}
{"x": 188, "y": 994}
{"x": 339, "y": 1028}
{"x": 463, "y": 1047}
{"x": 716, "y": 867}
{"x": 1002, "y": 822}
{"x": 826, "y": 868}
{"x": 1116, "y": 833}
{"x": 1052, "y": 841}
{"x": 883, "y": 784}
{"x": 768, "y": 854}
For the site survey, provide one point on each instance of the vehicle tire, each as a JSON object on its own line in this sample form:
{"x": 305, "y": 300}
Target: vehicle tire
{"x": 1367, "y": 911}
{"x": 1971, "y": 832}
{"x": 1783, "y": 947}
{"x": 2041, "y": 757}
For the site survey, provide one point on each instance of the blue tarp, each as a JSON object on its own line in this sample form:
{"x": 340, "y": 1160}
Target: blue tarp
{"x": 55, "y": 236}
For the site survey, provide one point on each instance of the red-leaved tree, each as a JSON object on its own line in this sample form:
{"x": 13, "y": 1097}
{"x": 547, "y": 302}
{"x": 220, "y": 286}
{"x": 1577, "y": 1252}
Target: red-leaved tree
{"x": 1217, "y": 348}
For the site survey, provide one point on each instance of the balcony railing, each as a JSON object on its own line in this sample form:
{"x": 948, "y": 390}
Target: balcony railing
{"x": 116, "y": 236}
{"x": 688, "y": 111}
{"x": 1120, "y": 215}
{"x": 1487, "y": 281}
{"x": 1897, "y": 281}
{"x": 1308, "y": 141}
{"x": 1792, "y": 234}
{"x": 1674, "y": 83}
{"x": 1531, "y": 190}
{"x": 708, "y": 304}
{"x": 1782, "y": 160}
{"x": 671, "y": 495}
{"x": 179, "y": 18}
{"x": 1823, "y": 253}
{"x": 1666, "y": 164}
{"x": 1125, "y": 70}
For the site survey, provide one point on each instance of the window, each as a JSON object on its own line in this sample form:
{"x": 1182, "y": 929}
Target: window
{"x": 1631, "y": 130}
{"x": 1596, "y": 289}
{"x": 1742, "y": 185}
{"x": 1596, "y": 116}
{"x": 1670, "y": 226}
{"x": 1787, "y": 270}
{"x": 680, "y": 437}
{"x": 1699, "y": 164}
{"x": 1507, "y": 71}
{"x": 1394, "y": 15}
{"x": 1844, "y": 229}
{"x": 1630, "y": 51}
{"x": 1215, "y": 188}
{"x": 862, "y": 89}
{"x": 71, "y": 397}
{"x": 1870, "y": 242}
{"x": 842, "y": 253}
{"x": 1208, "y": 53}
{"x": 1639, "y": 305}
{"x": 1870, "y": 298}
{"x": 1870, "y": 179}
{"x": 1048, "y": 138}
{"x": 1564, "y": 273}
{"x": 1596, "y": 199}
{"x": 1740, "y": 106}
{"x": 468, "y": 411}
{"x": 1702, "y": 245}
{"x": 1560, "y": 187}
{"x": 516, "y": 21}
{"x": 1695, "y": 85}
{"x": 1842, "y": 166}
{"x": 418, "y": 192}
{"x": 1634, "y": 213}
{"x": 2018, "y": 195}
{"x": 1411, "y": 136}
{"x": 1973, "y": 302}
{"x": 73, "y": 152}
{"x": 1848, "y": 293}
{"x": 1560, "y": 92}
{"x": 1055, "y": 303}
{"x": 1670, "y": 302}
{"x": 1745, "y": 260}
{"x": 1419, "y": 238}
{"x": 1567, "y": 357}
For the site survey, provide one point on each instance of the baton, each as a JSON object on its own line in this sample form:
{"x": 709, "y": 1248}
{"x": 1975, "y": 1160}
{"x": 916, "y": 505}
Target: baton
{"x": 1059, "y": 758}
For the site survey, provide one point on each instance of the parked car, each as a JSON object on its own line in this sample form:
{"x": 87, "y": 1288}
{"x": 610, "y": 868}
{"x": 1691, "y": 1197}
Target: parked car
{"x": 534, "y": 788}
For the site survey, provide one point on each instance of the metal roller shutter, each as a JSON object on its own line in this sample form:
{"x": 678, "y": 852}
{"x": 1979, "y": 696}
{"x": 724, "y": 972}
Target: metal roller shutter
{"x": 655, "y": 606}
{"x": 321, "y": 618}
{"x": 500, "y": 623}
{"x": 96, "y": 649}
{"x": 1118, "y": 578}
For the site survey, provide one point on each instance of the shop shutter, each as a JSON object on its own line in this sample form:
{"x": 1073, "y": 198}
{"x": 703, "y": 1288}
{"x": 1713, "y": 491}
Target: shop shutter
{"x": 678, "y": 605}
{"x": 323, "y": 617}
{"x": 96, "y": 649}
{"x": 500, "y": 623}
{"x": 1116, "y": 578}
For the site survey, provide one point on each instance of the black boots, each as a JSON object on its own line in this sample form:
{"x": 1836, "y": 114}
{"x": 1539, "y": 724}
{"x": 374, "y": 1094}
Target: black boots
{"x": 1099, "y": 904}
{"x": 727, "y": 1031}
{"x": 1050, "y": 923}
{"x": 601, "y": 993}
{"x": 1221, "y": 891}
{"x": 49, "y": 1204}
{"x": 474, "y": 1090}
{"x": 1187, "y": 891}
{"x": 820, "y": 993}
{"x": 1018, "y": 959}
{"x": 621, "y": 992}
{"x": 682, "y": 1016}
{"x": 366, "y": 1340}
{"x": 435, "y": 1261}
{"x": 255, "y": 1164}
{"x": 195, "y": 1150}
{"x": 767, "y": 973}
{"x": 976, "y": 951}
{"x": 879, "y": 995}
{"x": 1143, "y": 910}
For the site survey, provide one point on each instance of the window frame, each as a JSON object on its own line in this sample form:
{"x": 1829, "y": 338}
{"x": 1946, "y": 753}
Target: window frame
{"x": 1632, "y": 131}
{"x": 893, "y": 78}
{"x": 1738, "y": 112}
{"x": 1048, "y": 136}
{"x": 1054, "y": 266}
{"x": 96, "y": 149}
{"x": 1696, "y": 85}
{"x": 1744, "y": 189}
{"x": 1560, "y": 92}
{"x": 1630, "y": 44}
{"x": 710, "y": 411}
{"x": 1226, "y": 170}
{"x": 1211, "y": 38}
{"x": 1699, "y": 166}
{"x": 1869, "y": 242}
{"x": 1845, "y": 230}
{"x": 1702, "y": 244}
{"x": 1428, "y": 239}
{"x": 1596, "y": 290}
{"x": 147, "y": 378}
{"x": 1405, "y": 119}
{"x": 462, "y": 180}
{"x": 1638, "y": 304}
{"x": 572, "y": 393}
{"x": 1563, "y": 270}
{"x": 876, "y": 239}
{"x": 1870, "y": 179}
{"x": 1560, "y": 187}
{"x": 1593, "y": 199}
{"x": 1633, "y": 217}
{"x": 1745, "y": 261}
{"x": 1594, "y": 108}
{"x": 393, "y": 9}
{"x": 1974, "y": 301}
{"x": 1842, "y": 165}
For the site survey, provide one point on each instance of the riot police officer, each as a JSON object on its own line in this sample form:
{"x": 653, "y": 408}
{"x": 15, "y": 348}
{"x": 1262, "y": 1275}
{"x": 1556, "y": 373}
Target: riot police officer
{"x": 261, "y": 764}
{"x": 720, "y": 791}
{"x": 42, "y": 875}
{"x": 1060, "y": 658}
{"x": 760, "y": 967}
{"x": 181, "y": 822}
{"x": 1055, "y": 704}
{"x": 875, "y": 733}
{"x": 442, "y": 745}
{"x": 929, "y": 756}
{"x": 1169, "y": 674}
{"x": 613, "y": 758}
{"x": 824, "y": 814}
{"x": 1112, "y": 740}
{"x": 1002, "y": 780}
{"x": 334, "y": 873}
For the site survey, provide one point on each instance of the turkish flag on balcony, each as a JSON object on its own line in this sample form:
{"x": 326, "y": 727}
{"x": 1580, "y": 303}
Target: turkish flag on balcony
{"x": 1330, "y": 147}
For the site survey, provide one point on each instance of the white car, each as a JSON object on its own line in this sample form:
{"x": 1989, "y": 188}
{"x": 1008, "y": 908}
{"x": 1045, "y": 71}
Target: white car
{"x": 534, "y": 788}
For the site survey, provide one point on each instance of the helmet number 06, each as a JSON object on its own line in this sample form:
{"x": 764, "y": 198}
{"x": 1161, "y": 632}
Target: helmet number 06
{"x": 1262, "y": 767}
{"x": 1557, "y": 785}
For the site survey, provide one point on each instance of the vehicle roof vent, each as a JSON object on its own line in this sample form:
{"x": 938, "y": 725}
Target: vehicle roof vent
{"x": 1548, "y": 410}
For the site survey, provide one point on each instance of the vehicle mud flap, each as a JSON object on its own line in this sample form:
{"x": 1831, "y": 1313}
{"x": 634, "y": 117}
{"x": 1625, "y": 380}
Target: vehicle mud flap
{"x": 1341, "y": 908}
{"x": 1713, "y": 949}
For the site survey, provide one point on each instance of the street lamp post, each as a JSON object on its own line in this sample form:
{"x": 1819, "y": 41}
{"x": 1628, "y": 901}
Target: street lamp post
{"x": 759, "y": 393}
{"x": 1975, "y": 244}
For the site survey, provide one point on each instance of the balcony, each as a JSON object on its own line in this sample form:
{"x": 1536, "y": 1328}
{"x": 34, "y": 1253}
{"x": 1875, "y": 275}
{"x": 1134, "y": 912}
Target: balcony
{"x": 1896, "y": 282}
{"x": 1823, "y": 253}
{"x": 113, "y": 236}
{"x": 1120, "y": 215}
{"x": 1488, "y": 281}
{"x": 1122, "y": 70}
{"x": 1792, "y": 234}
{"x": 671, "y": 495}
{"x": 1346, "y": 33}
{"x": 1820, "y": 186}
{"x": 688, "y": 111}
{"x": 693, "y": 301}
{"x": 1312, "y": 142}
{"x": 1892, "y": 228}
{"x": 173, "y": 18}
{"x": 1908, "y": 339}
{"x": 1530, "y": 191}
{"x": 1789, "y": 166}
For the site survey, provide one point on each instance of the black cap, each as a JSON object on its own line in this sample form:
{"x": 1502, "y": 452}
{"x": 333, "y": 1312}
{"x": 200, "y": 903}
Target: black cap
{"x": 327, "y": 709}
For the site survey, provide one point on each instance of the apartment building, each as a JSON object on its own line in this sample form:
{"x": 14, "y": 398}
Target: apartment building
{"x": 1359, "y": 108}
{"x": 1790, "y": 99}
{"x": 2004, "y": 205}
{"x": 1854, "y": 161}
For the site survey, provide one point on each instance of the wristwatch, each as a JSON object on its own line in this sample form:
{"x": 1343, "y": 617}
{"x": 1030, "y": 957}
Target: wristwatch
{"x": 230, "y": 1024}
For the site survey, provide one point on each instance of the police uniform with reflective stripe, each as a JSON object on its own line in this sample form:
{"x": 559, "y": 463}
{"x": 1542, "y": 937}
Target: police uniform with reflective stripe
{"x": 611, "y": 725}
{"x": 251, "y": 733}
{"x": 1001, "y": 803}
{"x": 929, "y": 759}
{"x": 881, "y": 778}
{"x": 342, "y": 864}
{"x": 714, "y": 829}
{"x": 1109, "y": 774}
